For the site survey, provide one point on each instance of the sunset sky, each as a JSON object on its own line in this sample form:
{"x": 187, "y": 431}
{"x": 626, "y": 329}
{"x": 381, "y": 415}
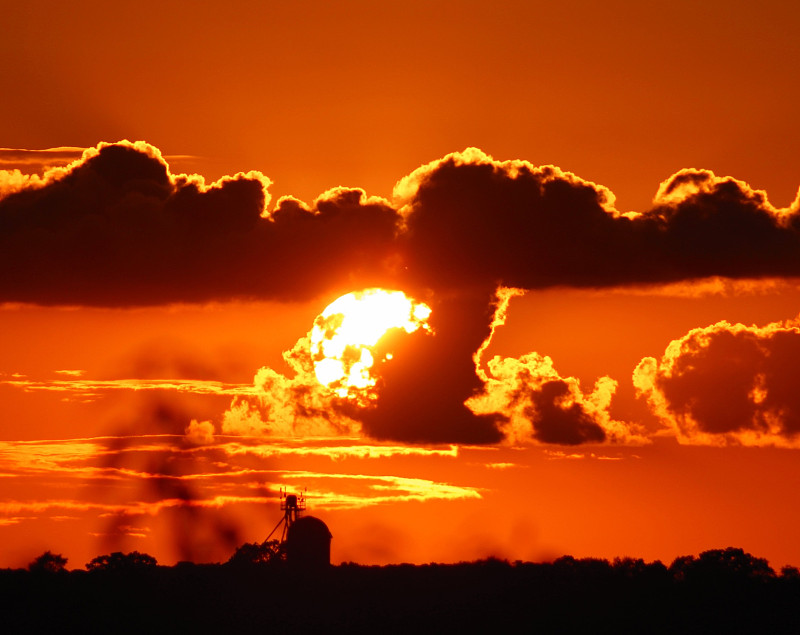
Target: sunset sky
{"x": 592, "y": 212}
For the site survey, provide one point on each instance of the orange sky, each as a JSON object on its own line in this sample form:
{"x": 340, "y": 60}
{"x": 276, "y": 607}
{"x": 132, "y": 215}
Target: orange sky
{"x": 168, "y": 323}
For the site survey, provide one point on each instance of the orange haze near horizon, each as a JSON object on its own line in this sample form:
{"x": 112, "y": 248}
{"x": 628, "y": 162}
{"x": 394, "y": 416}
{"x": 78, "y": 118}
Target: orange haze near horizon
{"x": 654, "y": 501}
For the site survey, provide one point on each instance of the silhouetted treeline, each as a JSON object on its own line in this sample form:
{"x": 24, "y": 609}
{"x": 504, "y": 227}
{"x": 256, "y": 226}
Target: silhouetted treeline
{"x": 720, "y": 591}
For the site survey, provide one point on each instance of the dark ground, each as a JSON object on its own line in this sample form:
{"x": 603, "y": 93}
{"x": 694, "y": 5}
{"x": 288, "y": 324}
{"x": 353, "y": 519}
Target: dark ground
{"x": 721, "y": 591}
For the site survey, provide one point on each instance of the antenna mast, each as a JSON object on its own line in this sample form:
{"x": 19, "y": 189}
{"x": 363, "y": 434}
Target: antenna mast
{"x": 292, "y": 505}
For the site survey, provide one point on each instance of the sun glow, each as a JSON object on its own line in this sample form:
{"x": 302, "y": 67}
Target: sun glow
{"x": 344, "y": 337}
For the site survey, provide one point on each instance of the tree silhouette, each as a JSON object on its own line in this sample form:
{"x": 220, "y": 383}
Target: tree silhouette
{"x": 730, "y": 565}
{"x": 637, "y": 569}
{"x": 267, "y": 552}
{"x": 122, "y": 562}
{"x": 719, "y": 591}
{"x": 48, "y": 562}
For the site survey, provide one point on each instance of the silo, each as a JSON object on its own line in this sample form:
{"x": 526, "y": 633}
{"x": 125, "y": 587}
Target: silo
{"x": 308, "y": 544}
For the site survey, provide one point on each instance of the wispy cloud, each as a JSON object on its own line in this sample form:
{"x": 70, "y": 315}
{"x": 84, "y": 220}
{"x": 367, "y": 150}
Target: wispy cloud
{"x": 139, "y": 508}
{"x": 94, "y": 388}
{"x": 380, "y": 489}
{"x": 41, "y": 159}
{"x": 572, "y": 456}
{"x": 210, "y": 474}
{"x": 38, "y": 159}
{"x": 336, "y": 449}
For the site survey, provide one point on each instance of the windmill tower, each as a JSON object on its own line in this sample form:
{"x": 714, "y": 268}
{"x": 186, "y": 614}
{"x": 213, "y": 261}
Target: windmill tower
{"x": 306, "y": 540}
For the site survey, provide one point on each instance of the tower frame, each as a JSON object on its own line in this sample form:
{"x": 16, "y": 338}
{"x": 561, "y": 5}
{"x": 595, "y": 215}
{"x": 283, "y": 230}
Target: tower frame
{"x": 292, "y": 506}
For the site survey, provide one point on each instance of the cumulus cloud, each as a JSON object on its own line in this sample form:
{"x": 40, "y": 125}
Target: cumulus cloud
{"x": 435, "y": 390}
{"x": 41, "y": 166}
{"x": 472, "y": 223}
{"x": 422, "y": 392}
{"x": 292, "y": 406}
{"x": 200, "y": 432}
{"x": 530, "y": 402}
{"x": 420, "y": 396}
{"x": 541, "y": 406}
{"x": 470, "y": 218}
{"x": 117, "y": 228}
{"x": 728, "y": 384}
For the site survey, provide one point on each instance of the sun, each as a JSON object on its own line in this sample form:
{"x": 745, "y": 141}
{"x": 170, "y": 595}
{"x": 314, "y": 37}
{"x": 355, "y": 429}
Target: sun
{"x": 344, "y": 337}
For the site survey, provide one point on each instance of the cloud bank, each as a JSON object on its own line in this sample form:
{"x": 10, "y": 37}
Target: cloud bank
{"x": 117, "y": 228}
{"x": 470, "y": 219}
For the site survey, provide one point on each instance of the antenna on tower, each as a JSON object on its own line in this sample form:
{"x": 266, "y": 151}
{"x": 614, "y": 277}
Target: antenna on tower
{"x": 292, "y": 505}
{"x": 306, "y": 541}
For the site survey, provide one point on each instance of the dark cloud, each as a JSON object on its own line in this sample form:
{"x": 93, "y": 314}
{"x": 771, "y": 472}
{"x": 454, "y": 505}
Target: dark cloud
{"x": 470, "y": 219}
{"x": 539, "y": 405}
{"x": 118, "y": 230}
{"x": 423, "y": 390}
{"x": 344, "y": 241}
{"x": 435, "y": 389}
{"x": 420, "y": 394}
{"x": 728, "y": 384}
{"x": 558, "y": 423}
